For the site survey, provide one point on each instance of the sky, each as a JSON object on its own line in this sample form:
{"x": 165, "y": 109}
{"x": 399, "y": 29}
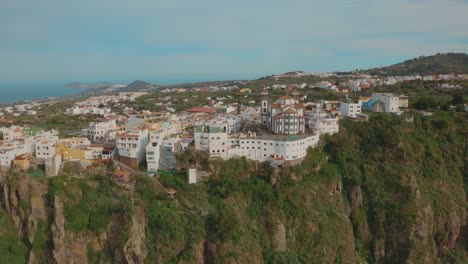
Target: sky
{"x": 166, "y": 41}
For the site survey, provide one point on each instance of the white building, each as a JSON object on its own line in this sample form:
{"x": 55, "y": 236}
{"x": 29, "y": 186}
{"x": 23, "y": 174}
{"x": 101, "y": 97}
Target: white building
{"x": 288, "y": 141}
{"x": 285, "y": 117}
{"x": 131, "y": 146}
{"x": 152, "y": 156}
{"x": 212, "y": 139}
{"x": 325, "y": 85}
{"x": 231, "y": 124}
{"x": 266, "y": 148}
{"x": 47, "y": 135}
{"x": 350, "y": 109}
{"x": 12, "y": 133}
{"x": 7, "y": 155}
{"x": 102, "y": 131}
{"x": 391, "y": 102}
{"x": 321, "y": 121}
{"x": 45, "y": 149}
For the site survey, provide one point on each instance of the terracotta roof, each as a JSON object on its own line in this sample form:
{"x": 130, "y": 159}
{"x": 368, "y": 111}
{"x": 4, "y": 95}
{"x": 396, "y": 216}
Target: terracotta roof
{"x": 22, "y": 157}
{"x": 286, "y": 97}
{"x": 264, "y": 91}
{"x": 289, "y": 111}
{"x": 298, "y": 106}
{"x": 275, "y": 106}
{"x": 127, "y": 135}
{"x": 200, "y": 110}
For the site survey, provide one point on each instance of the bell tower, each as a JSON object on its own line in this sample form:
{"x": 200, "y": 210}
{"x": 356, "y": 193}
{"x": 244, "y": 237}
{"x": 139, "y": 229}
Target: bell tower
{"x": 295, "y": 95}
{"x": 264, "y": 107}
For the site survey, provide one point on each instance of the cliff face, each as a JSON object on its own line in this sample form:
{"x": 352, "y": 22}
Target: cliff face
{"x": 381, "y": 192}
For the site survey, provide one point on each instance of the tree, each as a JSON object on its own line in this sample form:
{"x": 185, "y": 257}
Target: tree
{"x": 457, "y": 99}
{"x": 425, "y": 102}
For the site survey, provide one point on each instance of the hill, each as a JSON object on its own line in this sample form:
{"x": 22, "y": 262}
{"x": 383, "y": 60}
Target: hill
{"x": 138, "y": 86}
{"x": 440, "y": 63}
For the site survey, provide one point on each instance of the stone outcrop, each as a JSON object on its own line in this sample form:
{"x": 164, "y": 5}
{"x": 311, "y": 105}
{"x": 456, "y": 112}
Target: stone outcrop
{"x": 60, "y": 252}
{"x": 279, "y": 238}
{"x": 135, "y": 249}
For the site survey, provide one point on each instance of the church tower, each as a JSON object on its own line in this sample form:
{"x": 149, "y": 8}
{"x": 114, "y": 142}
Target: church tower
{"x": 295, "y": 95}
{"x": 264, "y": 107}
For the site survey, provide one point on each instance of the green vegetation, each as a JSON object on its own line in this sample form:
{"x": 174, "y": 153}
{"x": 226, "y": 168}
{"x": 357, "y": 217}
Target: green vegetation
{"x": 379, "y": 191}
{"x": 12, "y": 250}
{"x": 436, "y": 64}
{"x": 95, "y": 207}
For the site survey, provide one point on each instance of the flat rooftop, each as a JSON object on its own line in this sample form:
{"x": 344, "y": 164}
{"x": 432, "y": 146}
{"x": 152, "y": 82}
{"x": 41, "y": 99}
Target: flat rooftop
{"x": 264, "y": 133}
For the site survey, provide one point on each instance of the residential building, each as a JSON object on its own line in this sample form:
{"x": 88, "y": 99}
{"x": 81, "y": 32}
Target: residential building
{"x": 152, "y": 157}
{"x": 12, "y": 133}
{"x": 131, "y": 146}
{"x": 7, "y": 155}
{"x": 45, "y": 149}
{"x": 22, "y": 161}
{"x": 212, "y": 139}
{"x": 102, "y": 131}
{"x": 321, "y": 121}
{"x": 350, "y": 109}
{"x": 391, "y": 102}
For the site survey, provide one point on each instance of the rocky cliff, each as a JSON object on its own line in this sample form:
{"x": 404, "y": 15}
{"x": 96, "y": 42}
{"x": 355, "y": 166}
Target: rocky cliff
{"x": 378, "y": 192}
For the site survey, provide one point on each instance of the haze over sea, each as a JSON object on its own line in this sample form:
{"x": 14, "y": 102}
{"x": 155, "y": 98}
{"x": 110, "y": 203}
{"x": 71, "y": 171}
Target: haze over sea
{"x": 14, "y": 92}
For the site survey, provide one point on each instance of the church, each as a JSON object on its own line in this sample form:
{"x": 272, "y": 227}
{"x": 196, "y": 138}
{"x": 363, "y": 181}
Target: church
{"x": 285, "y": 116}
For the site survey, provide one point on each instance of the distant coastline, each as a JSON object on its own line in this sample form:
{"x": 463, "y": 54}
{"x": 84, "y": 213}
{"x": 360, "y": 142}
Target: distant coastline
{"x": 13, "y": 93}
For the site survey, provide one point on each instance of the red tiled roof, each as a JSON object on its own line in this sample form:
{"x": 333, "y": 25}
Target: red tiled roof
{"x": 275, "y": 106}
{"x": 289, "y": 111}
{"x": 298, "y": 106}
{"x": 200, "y": 110}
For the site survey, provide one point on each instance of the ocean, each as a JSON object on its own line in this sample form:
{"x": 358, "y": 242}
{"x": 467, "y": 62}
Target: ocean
{"x": 11, "y": 93}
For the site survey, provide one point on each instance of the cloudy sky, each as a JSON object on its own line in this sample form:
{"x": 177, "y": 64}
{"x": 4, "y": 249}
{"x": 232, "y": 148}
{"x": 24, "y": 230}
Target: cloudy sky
{"x": 172, "y": 40}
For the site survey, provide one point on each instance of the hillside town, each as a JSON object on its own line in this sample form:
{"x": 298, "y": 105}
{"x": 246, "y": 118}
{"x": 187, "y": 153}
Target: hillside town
{"x": 275, "y": 131}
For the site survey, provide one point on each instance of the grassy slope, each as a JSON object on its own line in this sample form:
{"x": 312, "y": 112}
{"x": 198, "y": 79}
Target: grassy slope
{"x": 436, "y": 64}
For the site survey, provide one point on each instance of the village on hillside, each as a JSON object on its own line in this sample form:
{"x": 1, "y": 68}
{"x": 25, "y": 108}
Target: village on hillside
{"x": 278, "y": 132}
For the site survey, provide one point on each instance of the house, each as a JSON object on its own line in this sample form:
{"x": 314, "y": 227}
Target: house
{"x": 101, "y": 131}
{"x": 45, "y": 149}
{"x": 211, "y": 138}
{"x": 152, "y": 157}
{"x": 22, "y": 161}
{"x": 391, "y": 101}
{"x": 322, "y": 121}
{"x": 7, "y": 155}
{"x": 131, "y": 146}
{"x": 108, "y": 153}
{"x": 350, "y": 109}
{"x": 12, "y": 133}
